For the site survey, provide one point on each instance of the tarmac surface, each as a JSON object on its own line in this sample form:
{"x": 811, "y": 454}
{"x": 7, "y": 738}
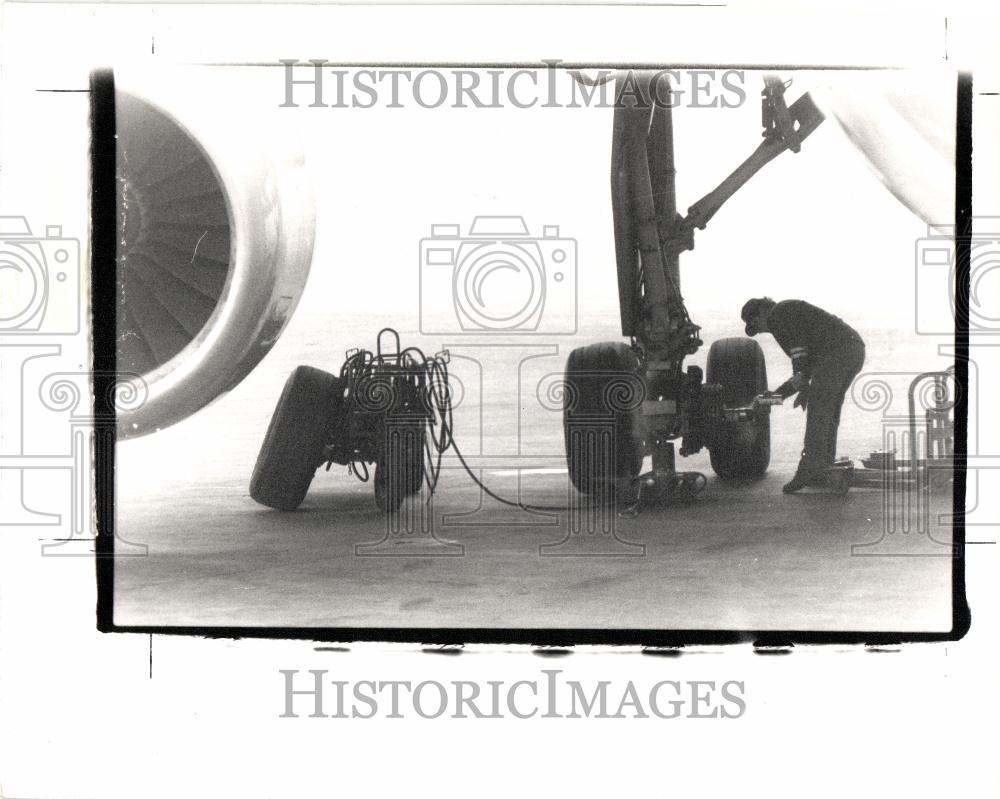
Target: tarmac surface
{"x": 741, "y": 557}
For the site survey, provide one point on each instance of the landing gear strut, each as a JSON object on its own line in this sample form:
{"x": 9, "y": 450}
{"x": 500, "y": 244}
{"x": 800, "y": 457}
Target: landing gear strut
{"x": 719, "y": 413}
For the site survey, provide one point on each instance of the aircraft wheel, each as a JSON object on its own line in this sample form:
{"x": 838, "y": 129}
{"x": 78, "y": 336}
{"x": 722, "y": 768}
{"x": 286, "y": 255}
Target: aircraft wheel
{"x": 602, "y": 416}
{"x": 303, "y": 423}
{"x": 741, "y": 450}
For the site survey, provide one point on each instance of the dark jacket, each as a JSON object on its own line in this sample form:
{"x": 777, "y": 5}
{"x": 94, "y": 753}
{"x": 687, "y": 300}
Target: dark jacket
{"x": 807, "y": 333}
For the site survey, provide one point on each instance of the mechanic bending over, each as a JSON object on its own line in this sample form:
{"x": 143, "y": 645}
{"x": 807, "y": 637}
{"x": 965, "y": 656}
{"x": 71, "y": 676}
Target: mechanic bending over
{"x": 827, "y": 355}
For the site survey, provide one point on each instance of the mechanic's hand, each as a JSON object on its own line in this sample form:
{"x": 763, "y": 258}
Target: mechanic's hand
{"x": 799, "y": 381}
{"x": 802, "y": 399}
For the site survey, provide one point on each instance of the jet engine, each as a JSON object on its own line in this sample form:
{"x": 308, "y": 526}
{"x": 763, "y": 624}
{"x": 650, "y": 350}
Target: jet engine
{"x": 215, "y": 226}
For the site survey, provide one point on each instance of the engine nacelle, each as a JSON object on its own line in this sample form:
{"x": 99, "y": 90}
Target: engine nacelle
{"x": 903, "y": 124}
{"x": 215, "y": 234}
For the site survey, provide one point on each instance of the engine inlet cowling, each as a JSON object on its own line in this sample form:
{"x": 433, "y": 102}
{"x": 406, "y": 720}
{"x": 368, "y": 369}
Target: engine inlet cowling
{"x": 215, "y": 226}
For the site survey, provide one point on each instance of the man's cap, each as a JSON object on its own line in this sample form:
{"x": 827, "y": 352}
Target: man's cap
{"x": 754, "y": 306}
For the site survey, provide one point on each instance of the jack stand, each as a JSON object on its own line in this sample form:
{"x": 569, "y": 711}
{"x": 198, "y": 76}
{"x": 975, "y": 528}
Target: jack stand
{"x": 664, "y": 485}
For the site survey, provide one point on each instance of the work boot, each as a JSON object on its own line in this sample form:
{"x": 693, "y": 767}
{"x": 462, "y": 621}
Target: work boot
{"x": 802, "y": 478}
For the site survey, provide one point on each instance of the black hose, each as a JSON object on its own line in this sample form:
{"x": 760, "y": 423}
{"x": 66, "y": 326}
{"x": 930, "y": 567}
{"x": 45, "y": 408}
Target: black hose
{"x": 432, "y": 373}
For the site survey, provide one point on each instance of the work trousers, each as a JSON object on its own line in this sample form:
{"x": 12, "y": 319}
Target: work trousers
{"x": 832, "y": 374}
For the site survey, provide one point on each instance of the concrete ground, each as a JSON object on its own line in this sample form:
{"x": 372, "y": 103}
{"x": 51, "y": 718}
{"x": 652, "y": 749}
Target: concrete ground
{"x": 741, "y": 557}
{"x": 747, "y": 558}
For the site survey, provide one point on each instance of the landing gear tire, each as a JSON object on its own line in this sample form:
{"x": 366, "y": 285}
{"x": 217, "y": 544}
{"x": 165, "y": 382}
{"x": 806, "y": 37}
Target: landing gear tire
{"x": 302, "y": 425}
{"x": 399, "y": 471}
{"x": 602, "y": 417}
{"x": 741, "y": 450}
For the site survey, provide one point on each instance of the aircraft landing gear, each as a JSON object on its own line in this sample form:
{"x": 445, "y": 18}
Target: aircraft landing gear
{"x": 376, "y": 413}
{"x": 664, "y": 485}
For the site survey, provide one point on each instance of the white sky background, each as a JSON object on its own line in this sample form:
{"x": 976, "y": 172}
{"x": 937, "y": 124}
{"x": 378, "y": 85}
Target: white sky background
{"x": 817, "y": 225}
